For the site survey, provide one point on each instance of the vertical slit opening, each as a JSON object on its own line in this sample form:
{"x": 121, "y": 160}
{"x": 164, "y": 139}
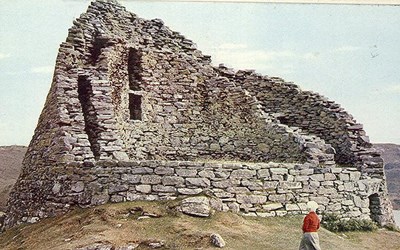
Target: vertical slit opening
{"x": 84, "y": 95}
{"x": 374, "y": 207}
{"x": 134, "y": 69}
{"x": 135, "y": 107}
{"x": 95, "y": 51}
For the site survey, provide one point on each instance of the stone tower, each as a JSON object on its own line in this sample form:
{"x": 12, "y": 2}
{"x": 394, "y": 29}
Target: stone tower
{"x": 136, "y": 111}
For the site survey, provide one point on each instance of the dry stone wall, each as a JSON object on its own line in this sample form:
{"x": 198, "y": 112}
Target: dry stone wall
{"x": 132, "y": 102}
{"x": 254, "y": 189}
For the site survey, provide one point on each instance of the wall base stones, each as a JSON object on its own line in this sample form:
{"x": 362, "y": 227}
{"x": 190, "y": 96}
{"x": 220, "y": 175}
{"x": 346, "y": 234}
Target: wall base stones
{"x": 254, "y": 189}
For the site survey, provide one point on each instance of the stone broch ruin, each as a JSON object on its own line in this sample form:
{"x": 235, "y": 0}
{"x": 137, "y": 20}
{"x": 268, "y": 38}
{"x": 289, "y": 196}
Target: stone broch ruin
{"x": 136, "y": 112}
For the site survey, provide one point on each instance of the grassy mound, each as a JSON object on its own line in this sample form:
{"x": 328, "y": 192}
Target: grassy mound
{"x": 157, "y": 224}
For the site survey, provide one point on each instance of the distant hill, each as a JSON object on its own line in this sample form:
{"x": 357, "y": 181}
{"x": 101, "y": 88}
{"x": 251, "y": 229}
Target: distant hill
{"x": 10, "y": 165}
{"x": 391, "y": 156}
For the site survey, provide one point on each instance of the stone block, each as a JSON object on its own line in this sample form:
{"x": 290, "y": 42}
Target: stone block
{"x": 117, "y": 198}
{"x": 134, "y": 196}
{"x": 290, "y": 185}
{"x": 173, "y": 181}
{"x": 221, "y": 173}
{"x": 78, "y": 187}
{"x": 272, "y": 206}
{"x": 263, "y": 173}
{"x": 164, "y": 189}
{"x": 317, "y": 177}
{"x": 302, "y": 178}
{"x": 146, "y": 189}
{"x": 326, "y": 191}
{"x": 250, "y": 199}
{"x": 56, "y": 188}
{"x": 347, "y": 203}
{"x": 266, "y": 214}
{"x": 186, "y": 172}
{"x": 207, "y": 174}
{"x": 329, "y": 177}
{"x": 292, "y": 207}
{"x": 336, "y": 170}
{"x": 270, "y": 185}
{"x": 131, "y": 178}
{"x": 344, "y": 177}
{"x": 242, "y": 174}
{"x": 354, "y": 176}
{"x": 198, "y": 182}
{"x": 234, "y": 207}
{"x": 150, "y": 179}
{"x": 116, "y": 188}
{"x": 281, "y": 213}
{"x": 99, "y": 199}
{"x": 321, "y": 200}
{"x": 349, "y": 186}
{"x": 226, "y": 183}
{"x": 253, "y": 185}
{"x": 277, "y": 177}
{"x": 142, "y": 170}
{"x": 237, "y": 190}
{"x": 190, "y": 191}
{"x": 164, "y": 171}
{"x": 279, "y": 171}
{"x": 277, "y": 197}
{"x": 307, "y": 171}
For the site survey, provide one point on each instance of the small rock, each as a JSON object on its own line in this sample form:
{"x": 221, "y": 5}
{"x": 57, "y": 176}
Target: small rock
{"x": 217, "y": 240}
{"x": 2, "y": 217}
{"x": 156, "y": 244}
{"x": 153, "y": 215}
{"x": 197, "y": 206}
{"x": 130, "y": 246}
{"x": 97, "y": 246}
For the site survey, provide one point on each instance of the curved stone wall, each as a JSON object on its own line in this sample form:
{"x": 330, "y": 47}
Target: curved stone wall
{"x": 311, "y": 112}
{"x": 263, "y": 189}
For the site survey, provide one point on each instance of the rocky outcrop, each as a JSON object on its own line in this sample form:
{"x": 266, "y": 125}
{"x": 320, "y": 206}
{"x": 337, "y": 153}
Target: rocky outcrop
{"x": 135, "y": 109}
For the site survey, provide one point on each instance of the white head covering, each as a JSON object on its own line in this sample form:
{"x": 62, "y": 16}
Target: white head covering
{"x": 312, "y": 205}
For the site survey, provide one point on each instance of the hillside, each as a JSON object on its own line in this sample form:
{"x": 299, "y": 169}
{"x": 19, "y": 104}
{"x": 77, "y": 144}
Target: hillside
{"x": 10, "y": 164}
{"x": 391, "y": 156}
{"x": 148, "y": 225}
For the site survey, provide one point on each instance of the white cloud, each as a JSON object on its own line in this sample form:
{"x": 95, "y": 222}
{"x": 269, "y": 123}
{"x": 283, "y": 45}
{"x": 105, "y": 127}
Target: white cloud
{"x": 389, "y": 89}
{"x": 395, "y": 89}
{"x": 241, "y": 56}
{"x": 232, "y": 46}
{"x": 42, "y": 70}
{"x": 346, "y": 48}
{"x": 3, "y": 56}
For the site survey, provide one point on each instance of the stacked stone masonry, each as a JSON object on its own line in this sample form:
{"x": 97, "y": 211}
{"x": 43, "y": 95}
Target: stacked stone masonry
{"x": 256, "y": 189}
{"x": 134, "y": 106}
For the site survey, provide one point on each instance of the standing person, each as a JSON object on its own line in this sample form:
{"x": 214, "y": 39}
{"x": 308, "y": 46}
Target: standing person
{"x": 310, "y": 240}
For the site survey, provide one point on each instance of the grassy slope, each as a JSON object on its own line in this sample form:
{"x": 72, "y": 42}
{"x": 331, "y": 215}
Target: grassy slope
{"x": 115, "y": 224}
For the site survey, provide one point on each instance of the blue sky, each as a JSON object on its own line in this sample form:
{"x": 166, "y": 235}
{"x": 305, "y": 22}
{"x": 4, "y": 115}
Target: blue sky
{"x": 349, "y": 53}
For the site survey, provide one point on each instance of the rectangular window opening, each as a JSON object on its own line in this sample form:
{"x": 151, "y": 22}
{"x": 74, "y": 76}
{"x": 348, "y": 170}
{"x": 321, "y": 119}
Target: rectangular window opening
{"x": 134, "y": 69}
{"x": 135, "y": 107}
